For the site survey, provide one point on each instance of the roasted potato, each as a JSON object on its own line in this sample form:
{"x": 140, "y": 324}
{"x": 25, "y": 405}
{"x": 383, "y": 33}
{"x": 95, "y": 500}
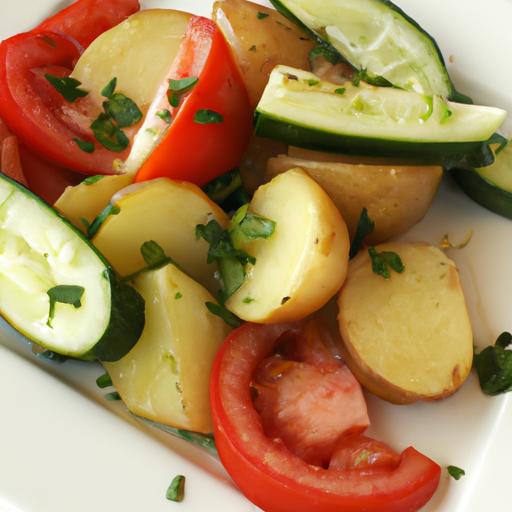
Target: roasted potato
{"x": 303, "y": 264}
{"x": 396, "y": 196}
{"x": 408, "y": 337}
{"x": 165, "y": 377}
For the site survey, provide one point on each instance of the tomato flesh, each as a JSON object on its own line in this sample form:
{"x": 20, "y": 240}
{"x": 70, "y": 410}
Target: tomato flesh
{"x": 277, "y": 480}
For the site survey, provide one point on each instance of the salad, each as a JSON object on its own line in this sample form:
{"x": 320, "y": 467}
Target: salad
{"x": 253, "y": 303}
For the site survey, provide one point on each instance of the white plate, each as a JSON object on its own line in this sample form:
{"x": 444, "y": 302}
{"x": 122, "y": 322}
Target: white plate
{"x": 63, "y": 448}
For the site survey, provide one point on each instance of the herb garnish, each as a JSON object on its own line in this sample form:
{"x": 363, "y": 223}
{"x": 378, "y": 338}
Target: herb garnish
{"x": 177, "y": 88}
{"x": 164, "y": 115}
{"x": 253, "y": 48}
{"x": 328, "y": 53}
{"x": 248, "y": 300}
{"x": 365, "y": 226}
{"x": 222, "y": 312}
{"x": 84, "y": 145}
{"x": 91, "y": 180}
{"x": 378, "y": 81}
{"x": 176, "y": 491}
{"x": 154, "y": 256}
{"x": 113, "y": 397}
{"x": 110, "y": 209}
{"x": 178, "y": 295}
{"x": 494, "y": 366}
{"x": 108, "y": 133}
{"x": 67, "y": 87}
{"x": 65, "y": 294}
{"x": 104, "y": 381}
{"x": 261, "y": 15}
{"x": 340, "y": 90}
{"x": 221, "y": 188}
{"x": 109, "y": 89}
{"x": 312, "y": 82}
{"x": 455, "y": 472}
{"x": 382, "y": 260}
{"x": 206, "y": 116}
{"x": 122, "y": 109}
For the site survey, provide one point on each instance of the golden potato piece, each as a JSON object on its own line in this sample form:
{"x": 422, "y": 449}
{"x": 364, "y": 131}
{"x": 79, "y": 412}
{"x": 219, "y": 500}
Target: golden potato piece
{"x": 408, "y": 337}
{"x": 165, "y": 377}
{"x": 396, "y": 196}
{"x": 304, "y": 263}
{"x": 260, "y": 43}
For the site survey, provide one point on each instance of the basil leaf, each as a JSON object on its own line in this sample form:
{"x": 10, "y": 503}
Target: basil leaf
{"x": 164, "y": 115}
{"x": 232, "y": 274}
{"x": 494, "y": 366}
{"x": 110, "y": 209}
{"x": 382, "y": 260}
{"x": 114, "y": 396}
{"x": 108, "y": 134}
{"x": 65, "y": 294}
{"x": 91, "y": 180}
{"x": 104, "y": 381}
{"x": 109, "y": 89}
{"x": 206, "y": 116}
{"x": 176, "y": 491}
{"x": 84, "y": 145}
{"x": 177, "y": 88}
{"x": 67, "y": 87}
{"x": 122, "y": 109}
{"x": 178, "y": 296}
{"x": 455, "y": 472}
{"x": 327, "y": 52}
{"x": 155, "y": 258}
{"x": 365, "y": 226}
{"x": 247, "y": 226}
{"x": 340, "y": 90}
{"x": 226, "y": 315}
{"x": 222, "y": 187}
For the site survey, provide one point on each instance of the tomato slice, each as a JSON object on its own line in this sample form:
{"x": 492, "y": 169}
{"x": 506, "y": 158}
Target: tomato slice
{"x": 277, "y": 480}
{"x": 37, "y": 114}
{"x": 85, "y": 20}
{"x": 200, "y": 152}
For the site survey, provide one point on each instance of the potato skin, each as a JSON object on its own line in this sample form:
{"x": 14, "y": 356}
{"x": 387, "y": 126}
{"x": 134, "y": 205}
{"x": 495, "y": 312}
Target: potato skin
{"x": 409, "y": 337}
{"x": 396, "y": 196}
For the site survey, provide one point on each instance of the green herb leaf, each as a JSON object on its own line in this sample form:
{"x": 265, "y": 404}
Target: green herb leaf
{"x": 222, "y": 187}
{"x": 340, "y": 90}
{"x": 178, "y": 296}
{"x": 206, "y": 116}
{"x": 109, "y": 89}
{"x": 261, "y": 15}
{"x": 382, "y": 260}
{"x": 177, "y": 88}
{"x": 113, "y": 397}
{"x": 246, "y": 226}
{"x": 232, "y": 273}
{"x": 248, "y": 300}
{"x": 494, "y": 366}
{"x": 455, "y": 472}
{"x": 176, "y": 491}
{"x": 65, "y": 294}
{"x": 365, "y": 226}
{"x": 104, "y": 381}
{"x": 154, "y": 256}
{"x": 312, "y": 82}
{"x": 378, "y": 81}
{"x": 165, "y": 115}
{"x": 67, "y": 87}
{"x": 108, "y": 133}
{"x": 84, "y": 145}
{"x": 110, "y": 209}
{"x": 226, "y": 315}
{"x": 91, "y": 180}
{"x": 327, "y": 52}
{"x": 122, "y": 109}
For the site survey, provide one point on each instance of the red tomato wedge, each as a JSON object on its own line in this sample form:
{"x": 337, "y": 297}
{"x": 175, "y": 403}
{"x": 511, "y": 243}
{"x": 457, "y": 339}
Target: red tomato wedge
{"x": 37, "y": 114}
{"x": 85, "y": 20}
{"x": 200, "y": 152}
{"x": 277, "y": 480}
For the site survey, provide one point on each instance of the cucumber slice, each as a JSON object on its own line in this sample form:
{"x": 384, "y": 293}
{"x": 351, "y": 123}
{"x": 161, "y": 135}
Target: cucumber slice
{"x": 490, "y": 186}
{"x": 41, "y": 256}
{"x": 301, "y": 110}
{"x": 378, "y": 37}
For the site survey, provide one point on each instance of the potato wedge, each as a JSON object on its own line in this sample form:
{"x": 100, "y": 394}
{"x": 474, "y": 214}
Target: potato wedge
{"x": 85, "y": 201}
{"x": 408, "y": 337}
{"x": 304, "y": 263}
{"x": 260, "y": 43}
{"x": 167, "y": 212}
{"x": 138, "y": 52}
{"x": 396, "y": 196}
{"x": 165, "y": 377}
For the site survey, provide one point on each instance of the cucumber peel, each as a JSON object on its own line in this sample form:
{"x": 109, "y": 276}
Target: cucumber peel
{"x": 55, "y": 288}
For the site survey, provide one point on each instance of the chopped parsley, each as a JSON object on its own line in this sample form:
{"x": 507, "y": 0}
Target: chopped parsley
{"x": 154, "y": 256}
{"x": 222, "y": 312}
{"x": 494, "y": 366}
{"x": 262, "y": 15}
{"x": 84, "y": 145}
{"x": 91, "y": 180}
{"x": 176, "y": 491}
{"x": 104, "y": 381}
{"x": 328, "y": 53}
{"x": 123, "y": 110}
{"x": 246, "y": 226}
{"x": 108, "y": 134}
{"x": 340, "y": 90}
{"x": 178, "y": 295}
{"x": 248, "y": 300}
{"x": 177, "y": 88}
{"x": 365, "y": 226}
{"x": 114, "y": 396}
{"x": 455, "y": 472}
{"x": 312, "y": 82}
{"x": 110, "y": 209}
{"x": 206, "y": 116}
{"x": 221, "y": 188}
{"x": 381, "y": 261}
{"x": 65, "y": 294}
{"x": 109, "y": 89}
{"x": 67, "y": 87}
{"x": 164, "y": 115}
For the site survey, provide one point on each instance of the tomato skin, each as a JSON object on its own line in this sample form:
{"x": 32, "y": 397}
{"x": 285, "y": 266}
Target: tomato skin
{"x": 200, "y": 152}
{"x": 36, "y": 113}
{"x": 85, "y": 20}
{"x": 273, "y": 478}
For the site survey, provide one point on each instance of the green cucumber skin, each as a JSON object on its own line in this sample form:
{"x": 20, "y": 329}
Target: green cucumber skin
{"x": 127, "y": 316}
{"x": 449, "y": 154}
{"x": 484, "y": 193}
{"x": 454, "y": 94}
